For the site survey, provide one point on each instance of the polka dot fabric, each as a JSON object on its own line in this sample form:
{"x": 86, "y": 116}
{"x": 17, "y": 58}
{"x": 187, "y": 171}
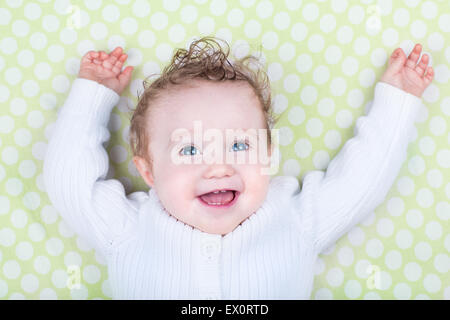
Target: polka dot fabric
{"x": 323, "y": 58}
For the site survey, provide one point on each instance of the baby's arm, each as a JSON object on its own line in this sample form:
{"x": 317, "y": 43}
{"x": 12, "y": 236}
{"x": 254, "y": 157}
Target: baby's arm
{"x": 358, "y": 179}
{"x": 76, "y": 162}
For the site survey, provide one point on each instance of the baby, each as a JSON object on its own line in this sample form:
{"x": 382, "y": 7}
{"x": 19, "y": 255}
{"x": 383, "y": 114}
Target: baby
{"x": 217, "y": 229}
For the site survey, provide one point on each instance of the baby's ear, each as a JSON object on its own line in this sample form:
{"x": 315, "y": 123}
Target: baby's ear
{"x": 144, "y": 169}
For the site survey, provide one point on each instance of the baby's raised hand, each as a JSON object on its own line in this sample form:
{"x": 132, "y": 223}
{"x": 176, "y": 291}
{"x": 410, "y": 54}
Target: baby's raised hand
{"x": 403, "y": 72}
{"x": 106, "y": 69}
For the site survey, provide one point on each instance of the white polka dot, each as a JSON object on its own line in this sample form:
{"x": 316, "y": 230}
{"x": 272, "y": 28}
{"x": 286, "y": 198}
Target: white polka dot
{"x": 299, "y": 31}
{"x": 264, "y": 9}
{"x": 129, "y": 25}
{"x": 291, "y": 167}
{"x": 91, "y": 274}
{"x": 11, "y": 269}
{"x": 310, "y": 12}
{"x": 345, "y": 34}
{"x": 22, "y": 137}
{"x": 19, "y": 218}
{"x": 54, "y": 246}
{"x": 111, "y": 13}
{"x": 352, "y": 289}
{"x": 35, "y": 119}
{"x": 188, "y": 14}
{"x": 36, "y": 232}
{"x": 14, "y": 186}
{"x": 385, "y": 227}
{"x": 402, "y": 291}
{"x": 7, "y": 237}
{"x": 443, "y": 22}
{"x": 338, "y": 86}
{"x": 361, "y": 46}
{"x": 425, "y": 198}
{"x": 443, "y": 158}
{"x": 405, "y": 185}
{"x": 316, "y": 43}
{"x": 393, "y": 259}
{"x": 141, "y": 8}
{"x": 345, "y": 256}
{"x": 30, "y": 88}
{"x": 401, "y": 17}
{"x": 423, "y": 251}
{"x": 374, "y": 248}
{"x": 59, "y": 278}
{"x": 303, "y": 148}
{"x": 339, "y": 6}
{"x": 252, "y": 29}
{"x": 286, "y": 51}
{"x": 98, "y": 31}
{"x": 38, "y": 40}
{"x": 83, "y": 245}
{"x": 50, "y": 23}
{"x": 356, "y": 14}
{"x": 8, "y": 45}
{"x": 321, "y": 75}
{"x": 27, "y": 168}
{"x": 367, "y": 77}
{"x": 350, "y": 66}
{"x": 333, "y": 54}
{"x": 281, "y": 20}
{"x": 404, "y": 239}
{"x": 296, "y": 115}
{"x": 378, "y": 57}
{"x": 327, "y": 23}
{"x": 159, "y": 20}
{"x": 48, "y": 294}
{"x": 177, "y": 33}
{"x": 146, "y": 38}
{"x": 292, "y": 5}
{"x": 433, "y": 230}
{"x": 308, "y": 95}
{"x": 270, "y": 40}
{"x": 363, "y": 268}
{"x": 20, "y": 28}
{"x": 72, "y": 258}
{"x": 6, "y": 124}
{"x": 218, "y": 7}
{"x": 24, "y": 250}
{"x": 291, "y": 83}
{"x": 441, "y": 75}
{"x": 395, "y": 206}
{"x": 25, "y": 58}
{"x": 442, "y": 262}
{"x": 280, "y": 103}
{"x": 68, "y": 36}
{"x": 10, "y": 155}
{"x": 206, "y": 26}
{"x": 13, "y": 76}
{"x": 335, "y": 277}
{"x": 356, "y": 236}
{"x": 3, "y": 289}
{"x": 5, "y": 16}
{"x": 304, "y": 63}
{"x": 418, "y": 29}
{"x": 235, "y": 17}
{"x": 434, "y": 178}
{"x": 429, "y": 10}
{"x": 432, "y": 283}
{"x": 61, "y": 84}
{"x": 323, "y": 294}
{"x": 435, "y": 42}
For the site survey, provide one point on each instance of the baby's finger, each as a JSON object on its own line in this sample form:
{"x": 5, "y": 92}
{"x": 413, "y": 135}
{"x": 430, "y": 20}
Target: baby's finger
{"x": 119, "y": 63}
{"x": 414, "y": 56}
{"x": 89, "y": 56}
{"x": 103, "y": 55}
{"x": 422, "y": 66}
{"x": 116, "y": 52}
{"x": 429, "y": 76}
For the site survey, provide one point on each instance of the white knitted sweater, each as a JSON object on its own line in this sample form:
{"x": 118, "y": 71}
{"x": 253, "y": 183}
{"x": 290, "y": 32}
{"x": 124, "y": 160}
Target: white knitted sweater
{"x": 271, "y": 255}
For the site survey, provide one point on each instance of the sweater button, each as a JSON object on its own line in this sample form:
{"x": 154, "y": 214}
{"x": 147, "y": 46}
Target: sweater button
{"x": 210, "y": 250}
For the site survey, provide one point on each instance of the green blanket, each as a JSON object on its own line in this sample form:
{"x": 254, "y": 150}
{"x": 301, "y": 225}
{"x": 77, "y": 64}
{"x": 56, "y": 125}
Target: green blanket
{"x": 323, "y": 58}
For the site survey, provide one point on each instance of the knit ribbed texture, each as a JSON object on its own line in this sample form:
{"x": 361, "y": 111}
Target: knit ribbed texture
{"x": 271, "y": 255}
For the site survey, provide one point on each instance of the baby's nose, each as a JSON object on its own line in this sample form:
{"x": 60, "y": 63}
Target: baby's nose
{"x": 218, "y": 170}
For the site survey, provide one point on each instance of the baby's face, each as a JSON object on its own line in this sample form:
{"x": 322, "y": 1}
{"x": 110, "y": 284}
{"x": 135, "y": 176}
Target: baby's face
{"x": 212, "y": 108}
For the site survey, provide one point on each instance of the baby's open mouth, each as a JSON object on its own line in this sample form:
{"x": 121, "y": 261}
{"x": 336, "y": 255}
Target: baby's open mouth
{"x": 219, "y": 198}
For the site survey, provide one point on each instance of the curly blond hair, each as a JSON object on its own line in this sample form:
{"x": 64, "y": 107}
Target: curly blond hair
{"x": 205, "y": 59}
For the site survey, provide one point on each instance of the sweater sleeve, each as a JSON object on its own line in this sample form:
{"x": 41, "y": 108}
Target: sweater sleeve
{"x": 76, "y": 165}
{"x": 358, "y": 179}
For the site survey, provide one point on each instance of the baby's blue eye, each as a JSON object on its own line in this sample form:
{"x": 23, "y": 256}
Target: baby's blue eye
{"x": 240, "y": 146}
{"x": 188, "y": 151}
